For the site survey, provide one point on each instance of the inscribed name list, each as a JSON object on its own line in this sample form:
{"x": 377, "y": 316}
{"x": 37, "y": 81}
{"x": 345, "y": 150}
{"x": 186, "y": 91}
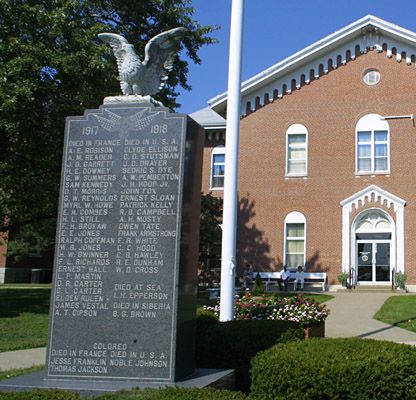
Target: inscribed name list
{"x": 113, "y": 308}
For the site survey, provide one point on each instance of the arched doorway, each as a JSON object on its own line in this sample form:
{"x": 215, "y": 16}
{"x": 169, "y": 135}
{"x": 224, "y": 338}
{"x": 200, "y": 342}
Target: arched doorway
{"x": 375, "y": 250}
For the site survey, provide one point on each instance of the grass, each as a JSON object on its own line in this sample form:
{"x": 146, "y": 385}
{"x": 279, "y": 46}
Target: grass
{"x": 320, "y": 298}
{"x": 399, "y": 311}
{"x": 23, "y": 318}
{"x": 203, "y": 297}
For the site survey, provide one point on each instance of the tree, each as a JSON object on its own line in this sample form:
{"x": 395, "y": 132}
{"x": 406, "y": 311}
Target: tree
{"x": 52, "y": 66}
{"x": 210, "y": 232}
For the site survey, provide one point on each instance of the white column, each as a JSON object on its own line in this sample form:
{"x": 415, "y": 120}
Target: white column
{"x": 400, "y": 238}
{"x": 345, "y": 238}
{"x": 229, "y": 232}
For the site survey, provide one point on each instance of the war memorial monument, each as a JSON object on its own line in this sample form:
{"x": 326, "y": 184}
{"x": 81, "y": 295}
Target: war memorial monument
{"x": 124, "y": 287}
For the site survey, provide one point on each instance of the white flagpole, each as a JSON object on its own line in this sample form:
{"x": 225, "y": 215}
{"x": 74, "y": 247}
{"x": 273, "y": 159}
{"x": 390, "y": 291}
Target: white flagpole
{"x": 229, "y": 223}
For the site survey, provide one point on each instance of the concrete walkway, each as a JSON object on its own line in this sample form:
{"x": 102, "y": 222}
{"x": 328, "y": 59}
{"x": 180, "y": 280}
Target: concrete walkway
{"x": 22, "y": 358}
{"x": 352, "y": 316}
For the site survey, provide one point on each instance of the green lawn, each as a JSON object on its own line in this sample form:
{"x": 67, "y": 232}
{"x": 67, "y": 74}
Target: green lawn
{"x": 320, "y": 298}
{"x": 399, "y": 311}
{"x": 23, "y": 318}
{"x": 203, "y": 297}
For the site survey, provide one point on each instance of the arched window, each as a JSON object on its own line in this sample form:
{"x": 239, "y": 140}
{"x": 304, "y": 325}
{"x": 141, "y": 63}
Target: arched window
{"x": 217, "y": 167}
{"x": 295, "y": 240}
{"x": 296, "y": 150}
{"x": 372, "y": 145}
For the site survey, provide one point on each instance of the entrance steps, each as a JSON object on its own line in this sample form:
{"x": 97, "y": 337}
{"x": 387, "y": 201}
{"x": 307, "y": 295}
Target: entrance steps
{"x": 370, "y": 289}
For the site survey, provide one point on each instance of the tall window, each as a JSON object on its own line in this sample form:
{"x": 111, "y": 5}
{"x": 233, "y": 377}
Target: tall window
{"x": 296, "y": 150}
{"x": 295, "y": 227}
{"x": 217, "y": 167}
{"x": 373, "y": 145}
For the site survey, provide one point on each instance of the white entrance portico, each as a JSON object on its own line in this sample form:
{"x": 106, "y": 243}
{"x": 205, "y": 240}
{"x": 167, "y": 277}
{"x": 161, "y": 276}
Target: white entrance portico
{"x": 372, "y": 243}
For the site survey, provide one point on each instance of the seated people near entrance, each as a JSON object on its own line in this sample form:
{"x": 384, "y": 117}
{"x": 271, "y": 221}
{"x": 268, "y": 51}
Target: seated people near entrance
{"x": 285, "y": 276}
{"x": 299, "y": 278}
{"x": 247, "y": 275}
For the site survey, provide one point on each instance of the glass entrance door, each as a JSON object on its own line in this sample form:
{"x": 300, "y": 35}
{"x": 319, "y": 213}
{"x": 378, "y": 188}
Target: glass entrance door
{"x": 365, "y": 261}
{"x": 373, "y": 261}
{"x": 382, "y": 262}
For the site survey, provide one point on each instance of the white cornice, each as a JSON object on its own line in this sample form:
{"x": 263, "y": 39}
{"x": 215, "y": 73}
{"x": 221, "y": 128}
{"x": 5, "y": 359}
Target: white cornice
{"x": 372, "y": 193}
{"x": 320, "y": 48}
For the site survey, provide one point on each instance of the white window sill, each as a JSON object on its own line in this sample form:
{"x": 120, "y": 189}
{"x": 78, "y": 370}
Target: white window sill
{"x": 216, "y": 188}
{"x": 386, "y": 173}
{"x": 295, "y": 176}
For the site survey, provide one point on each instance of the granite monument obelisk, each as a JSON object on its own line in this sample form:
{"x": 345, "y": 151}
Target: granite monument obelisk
{"x": 123, "y": 301}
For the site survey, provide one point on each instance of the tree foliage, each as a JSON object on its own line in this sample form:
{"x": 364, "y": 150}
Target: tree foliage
{"x": 210, "y": 232}
{"x": 211, "y": 216}
{"x": 52, "y": 66}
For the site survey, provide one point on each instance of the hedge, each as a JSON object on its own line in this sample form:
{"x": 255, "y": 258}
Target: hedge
{"x": 38, "y": 394}
{"x": 231, "y": 345}
{"x": 174, "y": 394}
{"x": 358, "y": 369}
{"x": 134, "y": 394}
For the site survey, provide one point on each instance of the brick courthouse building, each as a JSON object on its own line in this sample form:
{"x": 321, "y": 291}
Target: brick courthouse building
{"x": 327, "y": 172}
{"x": 327, "y": 168}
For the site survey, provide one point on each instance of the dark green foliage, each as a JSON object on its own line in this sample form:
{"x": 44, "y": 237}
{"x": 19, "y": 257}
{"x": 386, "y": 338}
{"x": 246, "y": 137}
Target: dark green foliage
{"x": 174, "y": 394}
{"x": 52, "y": 65}
{"x": 52, "y": 394}
{"x": 331, "y": 369}
{"x": 258, "y": 287}
{"x": 231, "y": 345}
{"x": 210, "y": 234}
{"x": 211, "y": 217}
{"x": 134, "y": 394}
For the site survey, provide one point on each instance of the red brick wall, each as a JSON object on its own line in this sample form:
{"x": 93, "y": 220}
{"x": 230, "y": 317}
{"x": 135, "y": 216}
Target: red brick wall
{"x": 330, "y": 109}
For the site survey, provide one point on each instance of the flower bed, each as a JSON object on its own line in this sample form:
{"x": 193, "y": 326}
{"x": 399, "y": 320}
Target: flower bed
{"x": 297, "y": 309}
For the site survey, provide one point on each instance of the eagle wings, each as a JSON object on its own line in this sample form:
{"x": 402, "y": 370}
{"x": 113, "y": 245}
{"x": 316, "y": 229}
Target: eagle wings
{"x": 145, "y": 77}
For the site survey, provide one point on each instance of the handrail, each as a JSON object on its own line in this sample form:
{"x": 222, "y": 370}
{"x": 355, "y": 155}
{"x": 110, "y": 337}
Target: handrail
{"x": 393, "y": 283}
{"x": 351, "y": 278}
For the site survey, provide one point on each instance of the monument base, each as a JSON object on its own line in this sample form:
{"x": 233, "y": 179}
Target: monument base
{"x": 218, "y": 378}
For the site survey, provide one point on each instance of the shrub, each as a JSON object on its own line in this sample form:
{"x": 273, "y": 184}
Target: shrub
{"x": 134, "y": 394}
{"x": 231, "y": 345}
{"x": 358, "y": 369}
{"x": 400, "y": 280}
{"x": 258, "y": 287}
{"x": 343, "y": 278}
{"x": 52, "y": 394}
{"x": 174, "y": 394}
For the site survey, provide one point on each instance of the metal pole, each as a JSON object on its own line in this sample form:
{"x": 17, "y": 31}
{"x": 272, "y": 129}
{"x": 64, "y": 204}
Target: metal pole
{"x": 229, "y": 223}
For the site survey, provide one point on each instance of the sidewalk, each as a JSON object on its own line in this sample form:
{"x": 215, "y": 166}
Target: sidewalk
{"x": 22, "y": 358}
{"x": 352, "y": 316}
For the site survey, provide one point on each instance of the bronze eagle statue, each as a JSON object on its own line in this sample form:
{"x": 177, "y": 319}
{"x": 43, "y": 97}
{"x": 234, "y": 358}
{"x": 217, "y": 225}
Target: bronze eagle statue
{"x": 147, "y": 77}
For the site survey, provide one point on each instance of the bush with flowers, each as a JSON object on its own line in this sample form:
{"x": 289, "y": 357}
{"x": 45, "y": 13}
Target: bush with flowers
{"x": 299, "y": 309}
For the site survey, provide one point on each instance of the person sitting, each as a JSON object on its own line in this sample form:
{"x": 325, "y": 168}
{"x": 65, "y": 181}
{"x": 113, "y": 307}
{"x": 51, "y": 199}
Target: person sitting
{"x": 247, "y": 276}
{"x": 299, "y": 277}
{"x": 285, "y": 276}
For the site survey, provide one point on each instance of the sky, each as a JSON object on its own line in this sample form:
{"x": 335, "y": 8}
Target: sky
{"x": 274, "y": 30}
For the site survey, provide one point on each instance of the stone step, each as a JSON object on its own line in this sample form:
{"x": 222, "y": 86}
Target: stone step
{"x": 371, "y": 289}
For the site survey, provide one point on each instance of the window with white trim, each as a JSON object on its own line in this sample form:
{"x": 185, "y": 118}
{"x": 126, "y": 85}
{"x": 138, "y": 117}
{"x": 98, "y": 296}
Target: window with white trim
{"x": 296, "y": 150}
{"x": 295, "y": 235}
{"x": 371, "y": 77}
{"x": 217, "y": 167}
{"x": 373, "y": 145}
